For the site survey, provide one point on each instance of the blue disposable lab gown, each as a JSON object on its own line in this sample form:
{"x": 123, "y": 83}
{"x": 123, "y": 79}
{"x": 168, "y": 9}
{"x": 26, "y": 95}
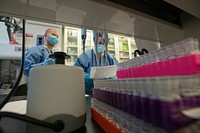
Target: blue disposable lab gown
{"x": 88, "y": 59}
{"x": 34, "y": 57}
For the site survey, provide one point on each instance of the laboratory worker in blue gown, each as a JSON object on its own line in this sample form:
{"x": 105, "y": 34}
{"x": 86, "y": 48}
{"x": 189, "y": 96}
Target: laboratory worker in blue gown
{"x": 97, "y": 56}
{"x": 39, "y": 55}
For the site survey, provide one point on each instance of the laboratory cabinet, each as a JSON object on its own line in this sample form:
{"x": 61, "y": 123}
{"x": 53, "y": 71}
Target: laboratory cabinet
{"x": 120, "y": 47}
{"x": 71, "y": 46}
{"x": 123, "y": 52}
{"x": 111, "y": 44}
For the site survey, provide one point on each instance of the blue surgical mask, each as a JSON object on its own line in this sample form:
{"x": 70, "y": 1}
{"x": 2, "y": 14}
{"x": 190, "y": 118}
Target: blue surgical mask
{"x": 100, "y": 48}
{"x": 53, "y": 40}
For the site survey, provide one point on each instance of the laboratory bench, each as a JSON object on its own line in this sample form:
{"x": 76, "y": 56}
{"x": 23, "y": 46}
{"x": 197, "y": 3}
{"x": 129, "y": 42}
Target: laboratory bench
{"x": 10, "y": 125}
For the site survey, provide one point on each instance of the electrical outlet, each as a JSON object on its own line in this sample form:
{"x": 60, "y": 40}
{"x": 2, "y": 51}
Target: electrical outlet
{"x": 18, "y": 49}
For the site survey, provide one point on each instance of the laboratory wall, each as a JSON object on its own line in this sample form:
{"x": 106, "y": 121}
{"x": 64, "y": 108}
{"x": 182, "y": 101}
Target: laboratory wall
{"x": 3, "y": 33}
{"x": 36, "y": 29}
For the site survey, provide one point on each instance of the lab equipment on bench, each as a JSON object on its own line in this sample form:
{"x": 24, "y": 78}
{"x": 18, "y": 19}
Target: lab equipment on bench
{"x": 47, "y": 101}
{"x": 13, "y": 29}
{"x": 55, "y": 99}
{"x": 59, "y": 57}
{"x": 58, "y": 96}
{"x": 150, "y": 99}
{"x": 137, "y": 53}
{"x": 184, "y": 55}
{"x": 144, "y": 51}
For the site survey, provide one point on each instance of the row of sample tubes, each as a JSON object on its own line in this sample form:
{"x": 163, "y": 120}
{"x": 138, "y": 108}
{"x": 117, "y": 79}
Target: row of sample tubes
{"x": 158, "y": 101}
{"x": 130, "y": 124}
{"x": 185, "y": 65}
{"x": 182, "y": 48}
{"x": 176, "y": 50}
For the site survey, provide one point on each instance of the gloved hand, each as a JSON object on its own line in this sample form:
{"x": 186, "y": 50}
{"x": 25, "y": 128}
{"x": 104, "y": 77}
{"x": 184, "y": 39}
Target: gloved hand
{"x": 113, "y": 77}
{"x": 88, "y": 83}
{"x": 48, "y": 61}
{"x": 87, "y": 79}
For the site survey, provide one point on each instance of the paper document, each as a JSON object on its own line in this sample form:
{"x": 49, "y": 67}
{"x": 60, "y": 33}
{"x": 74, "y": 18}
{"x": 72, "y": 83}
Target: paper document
{"x": 103, "y": 72}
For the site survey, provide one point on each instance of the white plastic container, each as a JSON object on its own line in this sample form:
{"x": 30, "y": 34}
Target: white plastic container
{"x": 56, "y": 92}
